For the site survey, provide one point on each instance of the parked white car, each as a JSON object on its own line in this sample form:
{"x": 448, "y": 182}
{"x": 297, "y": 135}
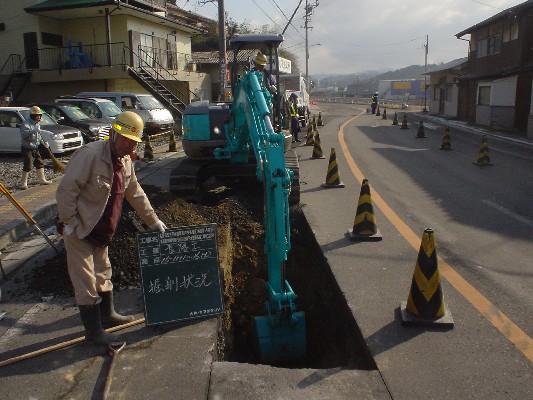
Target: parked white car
{"x": 61, "y": 138}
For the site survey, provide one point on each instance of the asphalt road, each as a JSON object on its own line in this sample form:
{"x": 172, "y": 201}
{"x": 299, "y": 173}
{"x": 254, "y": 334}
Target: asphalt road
{"x": 482, "y": 219}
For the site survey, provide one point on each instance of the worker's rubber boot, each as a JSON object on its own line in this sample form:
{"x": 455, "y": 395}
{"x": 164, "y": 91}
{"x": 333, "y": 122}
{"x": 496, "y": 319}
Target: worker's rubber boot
{"x": 40, "y": 177}
{"x": 94, "y": 333}
{"x": 107, "y": 310}
{"x": 24, "y": 180}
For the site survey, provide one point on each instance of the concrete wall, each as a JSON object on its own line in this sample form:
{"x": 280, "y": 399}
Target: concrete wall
{"x": 483, "y": 115}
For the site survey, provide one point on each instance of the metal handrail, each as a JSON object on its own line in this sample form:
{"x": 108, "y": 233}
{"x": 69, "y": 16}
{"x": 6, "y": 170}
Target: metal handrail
{"x": 16, "y": 62}
{"x": 82, "y": 56}
{"x": 177, "y": 88}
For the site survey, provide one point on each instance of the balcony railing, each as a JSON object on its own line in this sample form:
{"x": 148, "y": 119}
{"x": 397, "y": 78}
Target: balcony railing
{"x": 83, "y": 56}
{"x": 168, "y": 59}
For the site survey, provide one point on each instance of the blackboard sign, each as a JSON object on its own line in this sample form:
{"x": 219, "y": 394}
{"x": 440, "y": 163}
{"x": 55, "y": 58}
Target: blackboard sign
{"x": 179, "y": 274}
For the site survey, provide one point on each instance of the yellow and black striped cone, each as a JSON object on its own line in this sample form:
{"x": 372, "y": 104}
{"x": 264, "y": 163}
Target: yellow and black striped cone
{"x": 368, "y": 110}
{"x": 384, "y": 116}
{"x": 420, "y": 131}
{"x": 315, "y": 131}
{"x": 425, "y": 304}
{"x": 395, "y": 119}
{"x": 364, "y": 227}
{"x": 148, "y": 151}
{"x": 446, "y": 144}
{"x": 313, "y": 121}
{"x": 404, "y": 122}
{"x": 333, "y": 178}
{"x": 483, "y": 158}
{"x": 309, "y": 139}
{"x": 320, "y": 123}
{"x": 378, "y": 113}
{"x": 317, "y": 148}
{"x": 172, "y": 142}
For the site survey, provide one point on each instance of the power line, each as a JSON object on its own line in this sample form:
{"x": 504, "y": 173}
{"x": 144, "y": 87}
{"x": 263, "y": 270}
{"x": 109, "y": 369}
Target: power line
{"x": 487, "y": 5}
{"x": 374, "y": 45}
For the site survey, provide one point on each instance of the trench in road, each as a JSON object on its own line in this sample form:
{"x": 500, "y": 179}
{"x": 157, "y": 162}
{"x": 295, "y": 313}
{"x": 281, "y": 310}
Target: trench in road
{"x": 498, "y": 319}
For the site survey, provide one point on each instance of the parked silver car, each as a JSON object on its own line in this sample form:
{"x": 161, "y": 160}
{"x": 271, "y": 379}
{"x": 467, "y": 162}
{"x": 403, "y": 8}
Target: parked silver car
{"x": 61, "y": 138}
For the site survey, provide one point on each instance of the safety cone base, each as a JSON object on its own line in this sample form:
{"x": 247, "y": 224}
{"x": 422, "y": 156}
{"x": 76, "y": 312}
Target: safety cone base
{"x": 445, "y": 148}
{"x": 376, "y": 237}
{"x": 409, "y": 319}
{"x": 421, "y": 137}
{"x": 486, "y": 164}
{"x": 317, "y": 158}
{"x": 333, "y": 185}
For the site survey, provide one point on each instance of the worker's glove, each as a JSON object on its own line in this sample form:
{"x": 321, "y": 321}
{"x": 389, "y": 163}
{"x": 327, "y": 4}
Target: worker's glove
{"x": 68, "y": 230}
{"x": 159, "y": 226}
{"x": 45, "y": 144}
{"x": 273, "y": 89}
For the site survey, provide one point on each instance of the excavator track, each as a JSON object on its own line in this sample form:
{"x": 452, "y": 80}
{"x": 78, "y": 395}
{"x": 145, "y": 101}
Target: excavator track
{"x": 191, "y": 178}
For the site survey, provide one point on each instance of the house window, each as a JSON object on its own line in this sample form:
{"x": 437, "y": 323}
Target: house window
{"x": 510, "y": 30}
{"x": 51, "y": 39}
{"x": 449, "y": 89}
{"x": 494, "y": 44}
{"x": 481, "y": 48}
{"x": 483, "y": 97}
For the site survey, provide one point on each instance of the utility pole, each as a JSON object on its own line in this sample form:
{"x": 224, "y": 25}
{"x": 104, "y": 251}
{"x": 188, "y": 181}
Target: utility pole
{"x": 425, "y": 73}
{"x": 222, "y": 49}
{"x": 308, "y": 12}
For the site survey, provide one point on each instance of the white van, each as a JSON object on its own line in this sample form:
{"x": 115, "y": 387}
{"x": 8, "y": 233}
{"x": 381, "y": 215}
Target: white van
{"x": 156, "y": 118}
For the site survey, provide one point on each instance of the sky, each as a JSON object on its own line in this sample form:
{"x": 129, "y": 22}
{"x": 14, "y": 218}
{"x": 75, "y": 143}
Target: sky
{"x": 351, "y": 36}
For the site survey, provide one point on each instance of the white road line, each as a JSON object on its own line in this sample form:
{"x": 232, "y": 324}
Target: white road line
{"x": 21, "y": 325}
{"x": 509, "y": 213}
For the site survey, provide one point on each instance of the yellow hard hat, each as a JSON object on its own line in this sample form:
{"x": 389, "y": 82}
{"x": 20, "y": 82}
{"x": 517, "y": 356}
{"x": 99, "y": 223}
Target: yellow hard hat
{"x": 130, "y": 125}
{"x": 35, "y": 110}
{"x": 261, "y": 59}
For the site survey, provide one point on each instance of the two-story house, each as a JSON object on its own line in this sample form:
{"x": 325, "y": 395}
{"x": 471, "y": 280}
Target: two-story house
{"x": 59, "y": 47}
{"x": 496, "y": 89}
{"x": 444, "y": 87}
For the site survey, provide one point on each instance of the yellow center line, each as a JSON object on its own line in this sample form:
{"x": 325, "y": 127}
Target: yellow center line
{"x": 498, "y": 319}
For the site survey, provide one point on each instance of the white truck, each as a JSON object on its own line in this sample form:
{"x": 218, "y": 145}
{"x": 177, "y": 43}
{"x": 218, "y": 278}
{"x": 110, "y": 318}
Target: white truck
{"x": 295, "y": 83}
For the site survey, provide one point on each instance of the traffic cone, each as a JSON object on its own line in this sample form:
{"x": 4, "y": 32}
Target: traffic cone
{"x": 404, "y": 122}
{"x": 425, "y": 304}
{"x": 317, "y": 149}
{"x": 320, "y": 123}
{"x": 309, "y": 139}
{"x": 368, "y": 110}
{"x": 148, "y": 151}
{"x": 172, "y": 142}
{"x": 483, "y": 158}
{"x": 384, "y": 116}
{"x": 420, "y": 131}
{"x": 446, "y": 145}
{"x": 364, "y": 226}
{"x": 377, "y": 112}
{"x": 313, "y": 121}
{"x": 333, "y": 179}
{"x": 395, "y": 119}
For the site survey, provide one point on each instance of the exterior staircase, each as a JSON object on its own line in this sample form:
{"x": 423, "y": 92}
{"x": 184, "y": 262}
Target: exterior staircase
{"x": 162, "y": 84}
{"x": 13, "y": 77}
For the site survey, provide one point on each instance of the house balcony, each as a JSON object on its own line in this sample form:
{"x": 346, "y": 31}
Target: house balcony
{"x": 103, "y": 61}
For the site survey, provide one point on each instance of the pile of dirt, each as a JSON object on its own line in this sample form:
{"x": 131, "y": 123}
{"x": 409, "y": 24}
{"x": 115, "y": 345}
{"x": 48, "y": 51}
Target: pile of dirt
{"x": 331, "y": 331}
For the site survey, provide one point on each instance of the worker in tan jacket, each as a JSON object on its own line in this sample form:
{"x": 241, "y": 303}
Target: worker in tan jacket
{"x": 89, "y": 203}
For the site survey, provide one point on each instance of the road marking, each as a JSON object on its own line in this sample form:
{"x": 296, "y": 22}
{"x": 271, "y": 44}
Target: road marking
{"x": 498, "y": 319}
{"x": 21, "y": 326}
{"x": 509, "y": 213}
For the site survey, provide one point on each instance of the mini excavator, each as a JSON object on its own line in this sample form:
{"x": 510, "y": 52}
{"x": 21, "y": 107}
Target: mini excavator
{"x": 237, "y": 139}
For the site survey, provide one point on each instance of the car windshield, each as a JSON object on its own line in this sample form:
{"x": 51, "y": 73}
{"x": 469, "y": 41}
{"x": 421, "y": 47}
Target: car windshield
{"x": 150, "y": 103}
{"x": 109, "y": 108}
{"x": 45, "y": 119}
{"x": 75, "y": 114}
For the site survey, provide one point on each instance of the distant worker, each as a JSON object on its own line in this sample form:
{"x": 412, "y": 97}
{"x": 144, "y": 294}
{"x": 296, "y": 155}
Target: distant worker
{"x": 89, "y": 203}
{"x": 269, "y": 81}
{"x": 374, "y": 102}
{"x": 31, "y": 139}
{"x": 293, "y": 112}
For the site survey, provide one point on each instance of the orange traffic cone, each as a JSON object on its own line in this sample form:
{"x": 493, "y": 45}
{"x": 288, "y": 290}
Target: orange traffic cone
{"x": 483, "y": 158}
{"x": 395, "y": 119}
{"x": 446, "y": 145}
{"x": 309, "y": 139}
{"x": 148, "y": 151}
{"x": 317, "y": 148}
{"x": 404, "y": 122}
{"x": 425, "y": 304}
{"x": 364, "y": 226}
{"x": 333, "y": 179}
{"x": 420, "y": 131}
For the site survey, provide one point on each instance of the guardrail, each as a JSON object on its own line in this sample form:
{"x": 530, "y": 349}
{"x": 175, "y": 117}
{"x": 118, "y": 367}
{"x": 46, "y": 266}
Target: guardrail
{"x": 83, "y": 56}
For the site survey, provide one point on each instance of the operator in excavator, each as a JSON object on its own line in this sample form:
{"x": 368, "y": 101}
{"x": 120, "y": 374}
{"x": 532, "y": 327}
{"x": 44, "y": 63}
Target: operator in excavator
{"x": 89, "y": 203}
{"x": 269, "y": 81}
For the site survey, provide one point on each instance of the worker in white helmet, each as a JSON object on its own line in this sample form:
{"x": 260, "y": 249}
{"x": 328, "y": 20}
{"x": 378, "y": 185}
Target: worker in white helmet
{"x": 31, "y": 139}
{"x": 89, "y": 202}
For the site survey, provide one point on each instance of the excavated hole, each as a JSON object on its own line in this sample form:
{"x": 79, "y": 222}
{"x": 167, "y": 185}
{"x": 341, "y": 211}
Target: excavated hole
{"x": 333, "y": 337}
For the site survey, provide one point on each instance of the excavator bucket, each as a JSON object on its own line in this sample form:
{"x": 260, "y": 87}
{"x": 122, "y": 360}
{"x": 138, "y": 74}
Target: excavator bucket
{"x": 285, "y": 341}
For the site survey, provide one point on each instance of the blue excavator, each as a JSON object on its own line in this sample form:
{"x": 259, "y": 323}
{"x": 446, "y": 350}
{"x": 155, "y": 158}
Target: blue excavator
{"x": 242, "y": 139}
